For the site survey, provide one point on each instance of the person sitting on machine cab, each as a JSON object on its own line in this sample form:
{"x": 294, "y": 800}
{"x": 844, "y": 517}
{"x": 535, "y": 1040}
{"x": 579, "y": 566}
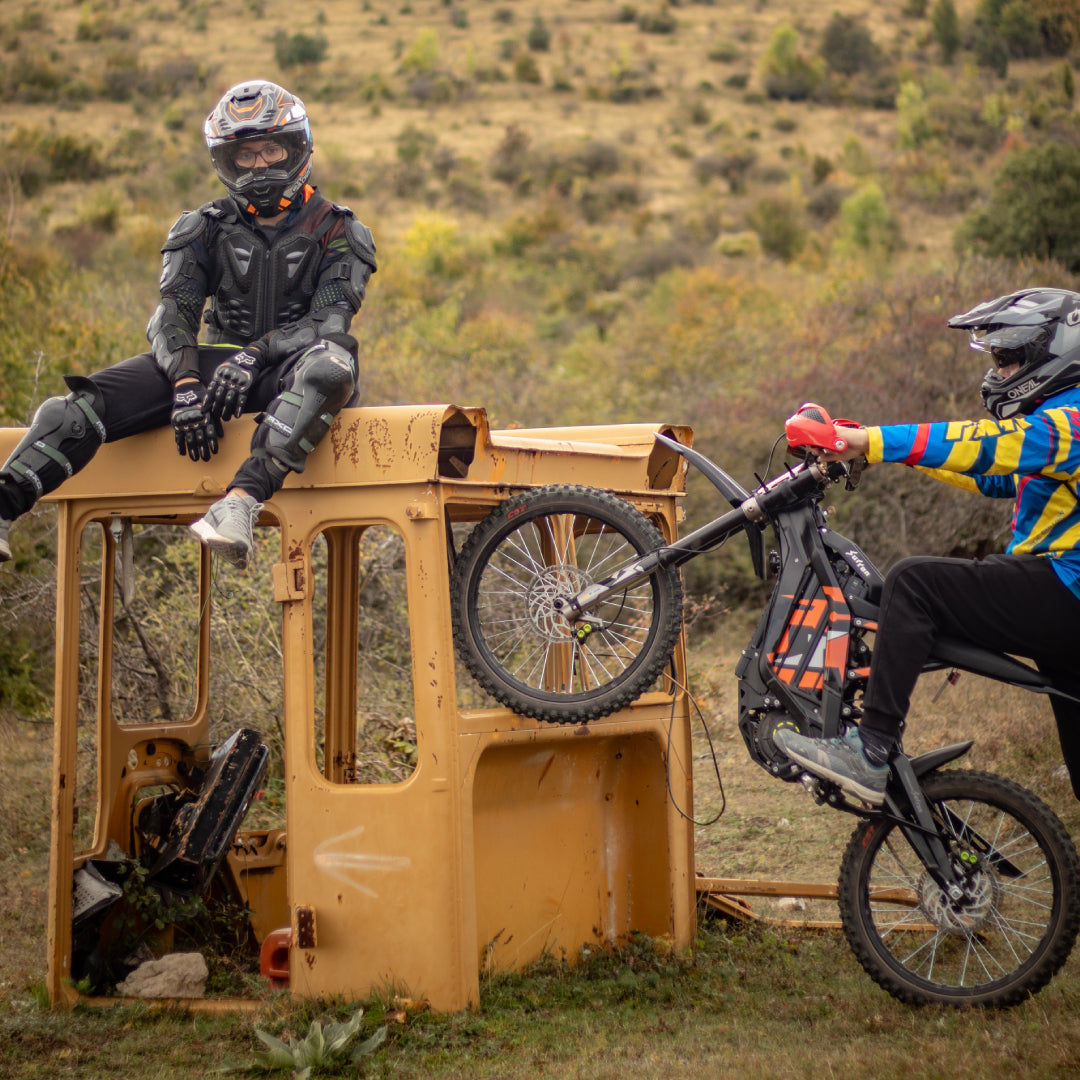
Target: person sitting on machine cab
{"x": 285, "y": 271}
{"x": 1025, "y": 601}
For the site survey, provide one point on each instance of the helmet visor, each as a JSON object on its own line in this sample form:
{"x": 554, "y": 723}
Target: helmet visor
{"x": 1011, "y": 344}
{"x": 277, "y": 157}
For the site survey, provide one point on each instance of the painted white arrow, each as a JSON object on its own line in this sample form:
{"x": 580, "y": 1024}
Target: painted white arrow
{"x": 340, "y": 859}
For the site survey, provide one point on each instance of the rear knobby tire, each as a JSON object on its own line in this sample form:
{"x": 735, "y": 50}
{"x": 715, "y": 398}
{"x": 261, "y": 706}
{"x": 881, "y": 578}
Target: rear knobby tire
{"x": 1014, "y": 932}
{"x": 550, "y": 542}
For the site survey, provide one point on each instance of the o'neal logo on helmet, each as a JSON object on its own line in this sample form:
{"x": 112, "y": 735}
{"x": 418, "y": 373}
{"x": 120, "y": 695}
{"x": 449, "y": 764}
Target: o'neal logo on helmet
{"x": 1022, "y": 389}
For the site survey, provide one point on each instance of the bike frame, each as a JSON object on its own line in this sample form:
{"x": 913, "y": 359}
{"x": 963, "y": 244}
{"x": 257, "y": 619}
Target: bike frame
{"x": 799, "y": 662}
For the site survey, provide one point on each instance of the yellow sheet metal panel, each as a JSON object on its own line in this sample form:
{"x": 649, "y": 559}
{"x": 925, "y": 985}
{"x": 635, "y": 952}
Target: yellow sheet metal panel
{"x": 392, "y": 444}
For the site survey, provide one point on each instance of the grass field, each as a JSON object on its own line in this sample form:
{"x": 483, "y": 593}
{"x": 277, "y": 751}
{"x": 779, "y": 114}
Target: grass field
{"x": 757, "y": 1000}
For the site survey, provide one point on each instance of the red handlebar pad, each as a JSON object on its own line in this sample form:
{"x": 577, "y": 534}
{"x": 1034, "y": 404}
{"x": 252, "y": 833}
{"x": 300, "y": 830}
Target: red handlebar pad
{"x": 813, "y": 427}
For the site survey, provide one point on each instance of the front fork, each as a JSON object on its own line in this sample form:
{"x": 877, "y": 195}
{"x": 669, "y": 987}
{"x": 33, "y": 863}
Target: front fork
{"x": 906, "y": 804}
{"x": 912, "y": 811}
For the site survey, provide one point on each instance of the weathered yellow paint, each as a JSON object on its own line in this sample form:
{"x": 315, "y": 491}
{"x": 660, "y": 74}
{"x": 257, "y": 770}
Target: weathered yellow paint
{"x": 511, "y": 837}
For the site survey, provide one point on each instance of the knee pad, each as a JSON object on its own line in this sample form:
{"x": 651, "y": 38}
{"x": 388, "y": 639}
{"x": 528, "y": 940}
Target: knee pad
{"x": 297, "y": 419}
{"x": 63, "y": 436}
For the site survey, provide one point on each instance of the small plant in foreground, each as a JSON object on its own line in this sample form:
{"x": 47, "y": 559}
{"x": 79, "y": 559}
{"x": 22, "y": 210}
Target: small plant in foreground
{"x": 320, "y": 1047}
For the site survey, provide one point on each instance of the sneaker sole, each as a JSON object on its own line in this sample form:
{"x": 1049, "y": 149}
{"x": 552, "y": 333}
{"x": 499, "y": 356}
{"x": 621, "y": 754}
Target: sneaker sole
{"x": 232, "y": 552}
{"x": 873, "y": 796}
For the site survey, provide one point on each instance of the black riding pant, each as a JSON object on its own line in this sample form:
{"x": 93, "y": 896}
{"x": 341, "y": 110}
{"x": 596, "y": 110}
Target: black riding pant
{"x": 1012, "y": 603}
{"x": 137, "y": 396}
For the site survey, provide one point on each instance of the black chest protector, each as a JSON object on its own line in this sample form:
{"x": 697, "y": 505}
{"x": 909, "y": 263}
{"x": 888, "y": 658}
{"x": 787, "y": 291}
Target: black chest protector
{"x": 263, "y": 281}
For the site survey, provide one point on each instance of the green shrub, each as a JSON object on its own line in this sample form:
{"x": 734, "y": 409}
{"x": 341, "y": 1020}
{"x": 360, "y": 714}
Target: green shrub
{"x": 98, "y": 27}
{"x": 913, "y": 127}
{"x": 778, "y": 222}
{"x": 41, "y": 158}
{"x": 631, "y": 83}
{"x": 825, "y": 202}
{"x": 733, "y": 167}
{"x": 600, "y": 200}
{"x": 991, "y": 51}
{"x": 512, "y": 159}
{"x": 526, "y": 69}
{"x": 946, "y": 27}
{"x": 295, "y": 50}
{"x": 660, "y": 21}
{"x": 1034, "y": 209}
{"x": 848, "y": 46}
{"x": 1019, "y": 27}
{"x": 539, "y": 37}
{"x": 786, "y": 72}
{"x": 724, "y": 52}
{"x": 867, "y": 223}
{"x": 31, "y": 77}
{"x": 423, "y": 55}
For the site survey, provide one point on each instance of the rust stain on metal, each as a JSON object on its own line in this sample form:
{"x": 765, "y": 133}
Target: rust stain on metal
{"x": 546, "y": 769}
{"x": 380, "y": 444}
{"x": 306, "y": 937}
{"x": 424, "y": 444}
{"x": 345, "y": 441}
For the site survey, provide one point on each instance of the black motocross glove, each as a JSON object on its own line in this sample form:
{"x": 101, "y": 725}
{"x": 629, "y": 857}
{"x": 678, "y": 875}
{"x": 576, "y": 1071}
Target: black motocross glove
{"x": 228, "y": 389}
{"x": 196, "y": 432}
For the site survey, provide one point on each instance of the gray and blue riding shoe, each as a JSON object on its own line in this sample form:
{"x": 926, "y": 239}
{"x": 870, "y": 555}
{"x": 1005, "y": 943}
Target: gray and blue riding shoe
{"x": 841, "y": 760}
{"x": 227, "y": 528}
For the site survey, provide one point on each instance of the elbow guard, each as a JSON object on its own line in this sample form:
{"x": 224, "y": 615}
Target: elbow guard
{"x": 171, "y": 340}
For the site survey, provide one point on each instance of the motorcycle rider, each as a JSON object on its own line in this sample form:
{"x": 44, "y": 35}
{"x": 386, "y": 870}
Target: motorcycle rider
{"x": 285, "y": 271}
{"x": 1023, "y": 601}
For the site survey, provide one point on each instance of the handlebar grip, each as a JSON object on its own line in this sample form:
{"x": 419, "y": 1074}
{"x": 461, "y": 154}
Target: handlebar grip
{"x": 812, "y": 426}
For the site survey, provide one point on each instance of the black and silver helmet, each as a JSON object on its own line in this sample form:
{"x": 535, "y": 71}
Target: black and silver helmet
{"x": 1039, "y": 329}
{"x": 261, "y": 113}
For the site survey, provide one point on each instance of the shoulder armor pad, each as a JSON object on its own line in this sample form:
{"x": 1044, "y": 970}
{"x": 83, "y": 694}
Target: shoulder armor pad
{"x": 189, "y": 225}
{"x": 361, "y": 242}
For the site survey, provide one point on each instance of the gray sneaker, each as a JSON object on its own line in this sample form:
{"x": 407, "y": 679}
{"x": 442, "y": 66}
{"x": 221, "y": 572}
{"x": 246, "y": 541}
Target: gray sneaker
{"x": 226, "y": 528}
{"x": 5, "y": 543}
{"x": 841, "y": 760}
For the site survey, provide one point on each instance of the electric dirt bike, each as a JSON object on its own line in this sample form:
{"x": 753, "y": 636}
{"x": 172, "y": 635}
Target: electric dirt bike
{"x": 963, "y": 888}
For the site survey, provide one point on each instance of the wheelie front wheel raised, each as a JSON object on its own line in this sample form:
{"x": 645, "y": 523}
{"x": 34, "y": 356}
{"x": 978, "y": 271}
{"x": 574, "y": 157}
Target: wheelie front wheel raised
{"x": 529, "y": 552}
{"x": 1013, "y": 928}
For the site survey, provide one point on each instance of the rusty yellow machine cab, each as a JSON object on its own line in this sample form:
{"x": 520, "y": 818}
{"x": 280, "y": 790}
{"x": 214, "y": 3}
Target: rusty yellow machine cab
{"x": 404, "y": 833}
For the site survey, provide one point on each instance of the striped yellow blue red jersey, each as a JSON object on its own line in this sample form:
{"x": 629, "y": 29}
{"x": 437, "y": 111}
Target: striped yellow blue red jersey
{"x": 1033, "y": 459}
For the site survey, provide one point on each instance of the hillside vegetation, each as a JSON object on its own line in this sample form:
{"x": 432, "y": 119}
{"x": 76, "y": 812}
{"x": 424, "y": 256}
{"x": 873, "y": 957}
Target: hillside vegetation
{"x": 590, "y": 211}
{"x": 587, "y": 211}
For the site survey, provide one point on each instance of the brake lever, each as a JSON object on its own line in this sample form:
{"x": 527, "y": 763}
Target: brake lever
{"x": 858, "y": 466}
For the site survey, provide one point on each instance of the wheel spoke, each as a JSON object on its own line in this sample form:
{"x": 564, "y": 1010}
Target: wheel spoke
{"x": 521, "y": 646}
{"x": 1008, "y": 934}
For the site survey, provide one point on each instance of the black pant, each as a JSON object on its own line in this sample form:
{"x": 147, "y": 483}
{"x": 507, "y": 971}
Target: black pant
{"x": 1012, "y": 603}
{"x": 137, "y": 396}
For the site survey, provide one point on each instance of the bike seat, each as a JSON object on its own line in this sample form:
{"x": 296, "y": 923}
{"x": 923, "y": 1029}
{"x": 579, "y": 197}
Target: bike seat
{"x": 955, "y": 652}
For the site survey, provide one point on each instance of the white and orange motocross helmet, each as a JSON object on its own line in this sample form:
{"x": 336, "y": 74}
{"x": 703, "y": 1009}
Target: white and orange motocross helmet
{"x": 261, "y": 114}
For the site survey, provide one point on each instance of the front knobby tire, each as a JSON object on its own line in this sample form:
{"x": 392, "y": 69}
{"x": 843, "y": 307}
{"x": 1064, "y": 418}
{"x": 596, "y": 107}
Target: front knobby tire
{"x": 553, "y": 542}
{"x": 1019, "y": 920}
